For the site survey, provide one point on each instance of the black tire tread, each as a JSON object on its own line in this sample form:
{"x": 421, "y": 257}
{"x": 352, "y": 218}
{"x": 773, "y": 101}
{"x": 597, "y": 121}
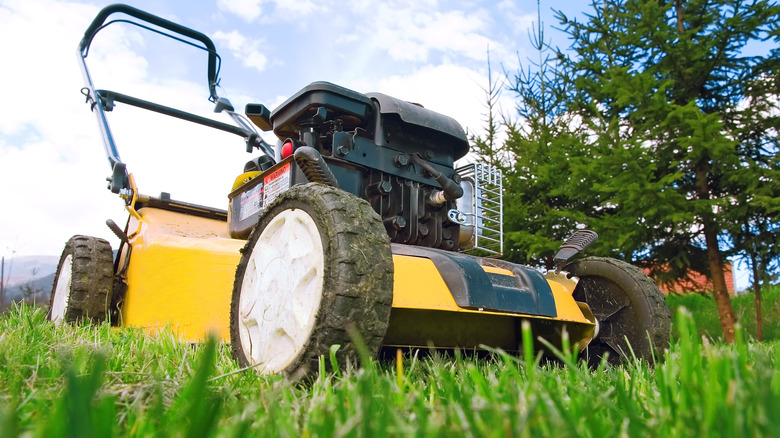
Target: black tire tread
{"x": 358, "y": 291}
{"x": 648, "y": 304}
{"x": 92, "y": 275}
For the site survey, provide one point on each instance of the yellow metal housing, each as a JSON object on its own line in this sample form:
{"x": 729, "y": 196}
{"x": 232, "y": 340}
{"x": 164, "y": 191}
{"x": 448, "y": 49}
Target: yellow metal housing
{"x": 180, "y": 274}
{"x": 425, "y": 314}
{"x": 181, "y": 270}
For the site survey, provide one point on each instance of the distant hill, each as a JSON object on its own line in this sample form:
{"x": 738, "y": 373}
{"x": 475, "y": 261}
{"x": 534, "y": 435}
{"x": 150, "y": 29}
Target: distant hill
{"x": 34, "y": 273}
{"x": 42, "y": 287}
{"x": 24, "y": 268}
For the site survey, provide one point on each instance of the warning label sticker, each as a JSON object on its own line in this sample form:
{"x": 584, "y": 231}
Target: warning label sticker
{"x": 276, "y": 183}
{"x": 251, "y": 202}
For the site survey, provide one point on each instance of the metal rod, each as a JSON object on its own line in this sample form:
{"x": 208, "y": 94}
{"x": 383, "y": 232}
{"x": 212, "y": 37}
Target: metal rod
{"x": 173, "y": 112}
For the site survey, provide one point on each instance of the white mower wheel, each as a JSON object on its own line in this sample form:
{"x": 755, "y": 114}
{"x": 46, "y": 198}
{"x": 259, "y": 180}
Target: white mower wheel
{"x": 316, "y": 271}
{"x": 281, "y": 290}
{"x": 83, "y": 282}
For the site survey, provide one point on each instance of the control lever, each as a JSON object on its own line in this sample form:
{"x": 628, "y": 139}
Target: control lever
{"x": 253, "y": 140}
{"x": 575, "y": 244}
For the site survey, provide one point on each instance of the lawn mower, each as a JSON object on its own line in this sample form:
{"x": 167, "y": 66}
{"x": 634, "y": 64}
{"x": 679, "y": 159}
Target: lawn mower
{"x": 355, "y": 229}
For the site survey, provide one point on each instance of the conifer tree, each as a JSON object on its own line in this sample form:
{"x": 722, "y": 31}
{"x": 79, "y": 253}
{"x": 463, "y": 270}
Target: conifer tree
{"x": 657, "y": 86}
{"x": 541, "y": 209}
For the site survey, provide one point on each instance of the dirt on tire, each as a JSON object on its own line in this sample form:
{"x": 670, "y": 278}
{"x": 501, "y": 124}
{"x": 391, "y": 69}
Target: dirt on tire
{"x": 357, "y": 291}
{"x": 91, "y": 279}
{"x": 627, "y": 305}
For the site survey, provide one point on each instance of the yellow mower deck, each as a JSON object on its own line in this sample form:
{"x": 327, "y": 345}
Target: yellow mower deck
{"x": 180, "y": 272}
{"x": 182, "y": 269}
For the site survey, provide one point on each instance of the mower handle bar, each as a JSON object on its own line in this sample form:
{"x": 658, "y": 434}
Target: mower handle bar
{"x": 103, "y": 100}
{"x": 101, "y": 17}
{"x": 253, "y": 140}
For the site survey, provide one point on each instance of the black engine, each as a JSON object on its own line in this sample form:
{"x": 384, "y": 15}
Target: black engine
{"x": 397, "y": 155}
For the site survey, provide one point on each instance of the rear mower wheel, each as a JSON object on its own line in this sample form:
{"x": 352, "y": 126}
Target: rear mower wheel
{"x": 628, "y": 306}
{"x": 316, "y": 271}
{"x": 83, "y": 282}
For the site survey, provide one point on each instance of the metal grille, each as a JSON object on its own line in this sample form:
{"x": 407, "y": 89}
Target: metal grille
{"x": 487, "y": 208}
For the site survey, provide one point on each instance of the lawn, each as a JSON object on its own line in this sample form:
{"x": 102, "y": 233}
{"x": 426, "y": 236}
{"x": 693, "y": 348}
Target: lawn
{"x": 705, "y": 312}
{"x": 97, "y": 381}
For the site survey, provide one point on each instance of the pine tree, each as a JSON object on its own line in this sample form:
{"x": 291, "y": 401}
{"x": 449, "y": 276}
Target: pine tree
{"x": 755, "y": 218}
{"x": 488, "y": 149}
{"x": 657, "y": 86}
{"x": 543, "y": 205}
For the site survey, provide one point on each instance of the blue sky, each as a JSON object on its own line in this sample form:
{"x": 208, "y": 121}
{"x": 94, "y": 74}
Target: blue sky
{"x": 52, "y": 165}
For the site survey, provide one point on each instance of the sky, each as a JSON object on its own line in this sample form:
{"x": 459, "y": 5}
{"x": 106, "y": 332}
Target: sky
{"x": 52, "y": 163}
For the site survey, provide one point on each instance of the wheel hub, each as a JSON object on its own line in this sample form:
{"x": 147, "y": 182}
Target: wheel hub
{"x": 62, "y": 291}
{"x": 282, "y": 291}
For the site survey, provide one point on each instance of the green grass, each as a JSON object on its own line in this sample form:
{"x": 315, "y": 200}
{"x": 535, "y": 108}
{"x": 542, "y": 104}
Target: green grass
{"x": 705, "y": 313}
{"x": 96, "y": 381}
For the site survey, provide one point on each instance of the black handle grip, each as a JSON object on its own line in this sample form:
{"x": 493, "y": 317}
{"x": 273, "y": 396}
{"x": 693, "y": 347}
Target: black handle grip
{"x": 101, "y": 17}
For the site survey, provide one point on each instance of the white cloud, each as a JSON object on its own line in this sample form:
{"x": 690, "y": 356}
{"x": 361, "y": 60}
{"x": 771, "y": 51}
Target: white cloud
{"x": 519, "y": 22}
{"x": 297, "y": 8}
{"x": 244, "y": 49}
{"x": 248, "y": 10}
{"x": 51, "y": 173}
{"x": 40, "y": 41}
{"x": 49, "y": 197}
{"x": 288, "y": 10}
{"x": 52, "y": 163}
{"x": 410, "y": 31}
